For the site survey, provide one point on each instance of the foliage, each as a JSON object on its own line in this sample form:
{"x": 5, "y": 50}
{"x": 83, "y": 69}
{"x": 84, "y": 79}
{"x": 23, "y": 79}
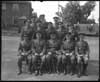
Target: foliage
{"x": 73, "y": 12}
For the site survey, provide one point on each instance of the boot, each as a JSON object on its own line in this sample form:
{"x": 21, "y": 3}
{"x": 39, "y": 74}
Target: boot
{"x": 85, "y": 70}
{"x": 36, "y": 73}
{"x": 20, "y": 67}
{"x": 20, "y": 71}
{"x": 79, "y": 75}
{"x": 40, "y": 73}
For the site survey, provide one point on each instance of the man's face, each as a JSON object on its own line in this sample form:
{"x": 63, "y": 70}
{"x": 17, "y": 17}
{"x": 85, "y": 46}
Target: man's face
{"x": 55, "y": 20}
{"x": 38, "y": 24}
{"x": 60, "y": 25}
{"x": 42, "y": 18}
{"x": 81, "y": 37}
{"x": 68, "y": 37}
{"x": 27, "y": 23}
{"x": 33, "y": 19}
{"x": 38, "y": 35}
{"x": 52, "y": 36}
{"x": 50, "y": 25}
{"x": 25, "y": 38}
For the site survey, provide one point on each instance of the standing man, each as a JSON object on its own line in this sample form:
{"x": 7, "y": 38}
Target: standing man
{"x": 82, "y": 52}
{"x": 49, "y": 29}
{"x": 33, "y": 21}
{"x": 56, "y": 21}
{"x": 27, "y": 30}
{"x": 61, "y": 30}
{"x": 43, "y": 21}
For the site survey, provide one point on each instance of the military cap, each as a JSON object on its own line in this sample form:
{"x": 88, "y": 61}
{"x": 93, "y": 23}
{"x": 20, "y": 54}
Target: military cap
{"x": 42, "y": 15}
{"x": 60, "y": 23}
{"x": 50, "y": 23}
{"x": 55, "y": 17}
{"x": 36, "y": 32}
{"x": 34, "y": 15}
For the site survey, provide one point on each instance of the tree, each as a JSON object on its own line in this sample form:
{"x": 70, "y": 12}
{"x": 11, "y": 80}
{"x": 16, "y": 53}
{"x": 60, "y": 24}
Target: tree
{"x": 91, "y": 21}
{"x": 73, "y": 12}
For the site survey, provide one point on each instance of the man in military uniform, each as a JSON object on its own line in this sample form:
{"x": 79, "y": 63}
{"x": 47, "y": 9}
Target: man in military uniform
{"x": 53, "y": 46}
{"x": 24, "y": 53}
{"x": 68, "y": 49}
{"x": 56, "y": 21}
{"x": 40, "y": 28}
{"x": 33, "y": 21}
{"x": 27, "y": 30}
{"x": 82, "y": 52}
{"x": 74, "y": 35}
{"x": 38, "y": 49}
{"x": 49, "y": 29}
{"x": 43, "y": 21}
{"x": 61, "y": 30}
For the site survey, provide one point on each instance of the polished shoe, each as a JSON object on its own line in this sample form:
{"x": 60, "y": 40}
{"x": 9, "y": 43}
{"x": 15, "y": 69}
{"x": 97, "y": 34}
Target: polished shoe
{"x": 36, "y": 73}
{"x": 79, "y": 75}
{"x": 19, "y": 73}
{"x": 85, "y": 74}
{"x": 41, "y": 74}
{"x": 65, "y": 73}
{"x": 72, "y": 74}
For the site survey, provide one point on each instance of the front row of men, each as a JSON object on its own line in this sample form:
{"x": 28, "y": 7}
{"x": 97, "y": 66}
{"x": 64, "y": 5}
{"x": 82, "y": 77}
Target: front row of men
{"x": 54, "y": 55}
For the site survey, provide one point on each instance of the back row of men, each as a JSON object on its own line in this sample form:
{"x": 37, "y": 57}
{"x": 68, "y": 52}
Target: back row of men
{"x": 40, "y": 24}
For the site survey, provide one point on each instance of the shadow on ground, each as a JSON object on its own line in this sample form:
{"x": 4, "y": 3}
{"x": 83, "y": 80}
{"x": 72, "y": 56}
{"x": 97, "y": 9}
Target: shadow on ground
{"x": 93, "y": 67}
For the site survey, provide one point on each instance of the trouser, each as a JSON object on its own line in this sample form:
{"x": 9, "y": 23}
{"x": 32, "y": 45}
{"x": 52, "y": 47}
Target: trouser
{"x": 39, "y": 62}
{"x": 71, "y": 58}
{"x": 51, "y": 62}
{"x": 27, "y": 59}
{"x": 82, "y": 59}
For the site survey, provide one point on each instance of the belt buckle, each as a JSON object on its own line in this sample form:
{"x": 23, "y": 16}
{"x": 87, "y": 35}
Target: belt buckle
{"x": 36, "y": 54}
{"x": 49, "y": 53}
{"x": 80, "y": 55}
{"x": 23, "y": 54}
{"x": 67, "y": 54}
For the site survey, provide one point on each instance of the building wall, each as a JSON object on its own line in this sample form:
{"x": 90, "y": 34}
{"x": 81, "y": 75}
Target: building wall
{"x": 84, "y": 28}
{"x": 11, "y": 11}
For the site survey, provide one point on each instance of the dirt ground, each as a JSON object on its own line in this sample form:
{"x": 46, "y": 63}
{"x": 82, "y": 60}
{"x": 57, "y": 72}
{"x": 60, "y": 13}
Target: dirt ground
{"x": 9, "y": 62}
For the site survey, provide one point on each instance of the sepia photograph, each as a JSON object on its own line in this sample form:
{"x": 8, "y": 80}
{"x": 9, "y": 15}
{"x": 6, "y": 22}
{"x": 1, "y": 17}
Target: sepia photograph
{"x": 50, "y": 40}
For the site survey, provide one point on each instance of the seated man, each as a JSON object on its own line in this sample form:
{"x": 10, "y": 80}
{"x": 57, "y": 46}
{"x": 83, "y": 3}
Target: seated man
{"x": 82, "y": 52}
{"x": 68, "y": 49}
{"x": 38, "y": 49}
{"x": 24, "y": 53}
{"x": 53, "y": 46}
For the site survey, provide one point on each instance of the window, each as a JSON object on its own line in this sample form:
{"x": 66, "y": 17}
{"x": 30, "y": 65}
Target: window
{"x": 3, "y": 6}
{"x": 15, "y": 7}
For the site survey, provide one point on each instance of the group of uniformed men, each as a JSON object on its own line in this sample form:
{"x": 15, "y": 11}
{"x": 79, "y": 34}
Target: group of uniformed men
{"x": 52, "y": 48}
